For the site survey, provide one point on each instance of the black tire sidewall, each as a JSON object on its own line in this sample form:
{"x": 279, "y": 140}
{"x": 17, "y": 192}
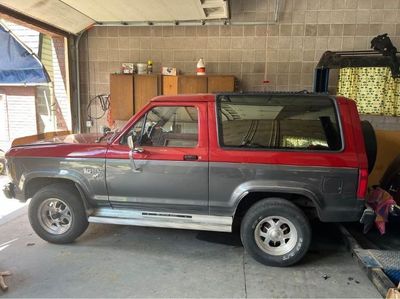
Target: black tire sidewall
{"x": 370, "y": 142}
{"x": 65, "y": 193}
{"x": 276, "y": 207}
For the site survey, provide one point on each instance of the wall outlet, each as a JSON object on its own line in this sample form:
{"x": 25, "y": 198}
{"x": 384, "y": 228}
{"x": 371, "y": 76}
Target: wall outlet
{"x": 89, "y": 124}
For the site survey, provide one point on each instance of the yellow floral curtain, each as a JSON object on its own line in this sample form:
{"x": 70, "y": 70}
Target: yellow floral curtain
{"x": 373, "y": 88}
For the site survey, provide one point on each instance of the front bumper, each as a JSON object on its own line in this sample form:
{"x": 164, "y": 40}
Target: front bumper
{"x": 9, "y": 190}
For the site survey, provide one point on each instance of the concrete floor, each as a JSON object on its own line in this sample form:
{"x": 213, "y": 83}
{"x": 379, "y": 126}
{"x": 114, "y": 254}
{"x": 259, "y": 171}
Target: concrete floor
{"x": 120, "y": 261}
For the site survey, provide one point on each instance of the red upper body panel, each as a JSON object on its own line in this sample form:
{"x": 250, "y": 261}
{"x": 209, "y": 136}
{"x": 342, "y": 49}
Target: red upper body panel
{"x": 208, "y": 149}
{"x": 348, "y": 157}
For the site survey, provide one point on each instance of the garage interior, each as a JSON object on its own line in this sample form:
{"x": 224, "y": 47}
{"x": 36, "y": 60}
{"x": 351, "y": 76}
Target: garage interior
{"x": 87, "y": 49}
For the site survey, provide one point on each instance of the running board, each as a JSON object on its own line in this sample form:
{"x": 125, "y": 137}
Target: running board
{"x": 160, "y": 219}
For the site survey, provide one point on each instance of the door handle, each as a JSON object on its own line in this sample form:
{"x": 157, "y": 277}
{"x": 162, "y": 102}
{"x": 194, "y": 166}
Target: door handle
{"x": 190, "y": 157}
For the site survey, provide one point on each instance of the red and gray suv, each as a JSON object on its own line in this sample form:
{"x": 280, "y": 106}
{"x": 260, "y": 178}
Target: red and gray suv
{"x": 265, "y": 162}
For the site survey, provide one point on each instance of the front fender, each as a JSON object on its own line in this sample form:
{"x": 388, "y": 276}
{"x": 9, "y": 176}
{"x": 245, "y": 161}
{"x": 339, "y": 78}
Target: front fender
{"x": 70, "y": 175}
{"x": 87, "y": 173}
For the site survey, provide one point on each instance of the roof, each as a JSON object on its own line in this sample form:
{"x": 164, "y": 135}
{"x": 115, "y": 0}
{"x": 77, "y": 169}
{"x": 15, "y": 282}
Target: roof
{"x": 199, "y": 97}
{"x": 208, "y": 97}
{"x": 74, "y": 16}
{"x": 18, "y": 64}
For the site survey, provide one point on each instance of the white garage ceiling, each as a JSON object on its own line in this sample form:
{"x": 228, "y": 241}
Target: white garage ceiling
{"x": 76, "y": 15}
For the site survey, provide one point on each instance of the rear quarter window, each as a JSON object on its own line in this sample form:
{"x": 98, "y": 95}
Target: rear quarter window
{"x": 286, "y": 122}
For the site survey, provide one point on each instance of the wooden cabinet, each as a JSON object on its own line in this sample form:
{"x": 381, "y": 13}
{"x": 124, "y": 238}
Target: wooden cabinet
{"x": 129, "y": 93}
{"x": 181, "y": 84}
{"x": 122, "y": 97}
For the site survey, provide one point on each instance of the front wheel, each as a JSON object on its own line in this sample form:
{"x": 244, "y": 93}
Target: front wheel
{"x": 275, "y": 232}
{"x": 57, "y": 214}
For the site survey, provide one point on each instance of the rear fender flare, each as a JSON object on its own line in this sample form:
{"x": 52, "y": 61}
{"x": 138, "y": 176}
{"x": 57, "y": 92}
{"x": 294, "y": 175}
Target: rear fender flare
{"x": 288, "y": 187}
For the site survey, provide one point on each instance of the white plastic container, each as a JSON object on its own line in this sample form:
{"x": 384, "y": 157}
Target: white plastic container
{"x": 201, "y": 67}
{"x": 141, "y": 68}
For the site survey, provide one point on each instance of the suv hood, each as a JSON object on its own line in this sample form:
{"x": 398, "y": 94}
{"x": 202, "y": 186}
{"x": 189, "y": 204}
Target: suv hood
{"x": 72, "y": 139}
{"x": 74, "y": 146}
{"x": 63, "y": 139}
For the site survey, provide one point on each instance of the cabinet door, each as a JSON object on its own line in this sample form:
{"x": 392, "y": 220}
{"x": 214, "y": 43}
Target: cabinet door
{"x": 173, "y": 85}
{"x": 192, "y": 84}
{"x": 170, "y": 85}
{"x": 121, "y": 91}
{"x": 219, "y": 83}
{"x": 146, "y": 87}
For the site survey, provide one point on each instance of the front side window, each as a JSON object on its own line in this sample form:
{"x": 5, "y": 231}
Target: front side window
{"x": 169, "y": 126}
{"x": 279, "y": 122}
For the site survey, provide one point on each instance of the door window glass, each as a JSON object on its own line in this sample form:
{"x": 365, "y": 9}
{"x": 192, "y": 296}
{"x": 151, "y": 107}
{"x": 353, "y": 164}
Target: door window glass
{"x": 169, "y": 126}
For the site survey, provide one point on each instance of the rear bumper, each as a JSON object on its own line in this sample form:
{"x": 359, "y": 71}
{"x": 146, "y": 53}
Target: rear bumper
{"x": 345, "y": 213}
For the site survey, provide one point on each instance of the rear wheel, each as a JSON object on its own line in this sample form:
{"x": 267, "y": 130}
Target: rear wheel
{"x": 57, "y": 214}
{"x": 275, "y": 232}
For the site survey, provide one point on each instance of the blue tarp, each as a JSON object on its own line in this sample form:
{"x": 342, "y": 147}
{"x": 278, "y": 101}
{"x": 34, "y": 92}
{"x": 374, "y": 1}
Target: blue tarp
{"x": 18, "y": 66}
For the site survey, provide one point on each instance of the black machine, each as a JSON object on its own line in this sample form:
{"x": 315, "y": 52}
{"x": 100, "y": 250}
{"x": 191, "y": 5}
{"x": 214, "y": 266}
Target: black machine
{"x": 384, "y": 54}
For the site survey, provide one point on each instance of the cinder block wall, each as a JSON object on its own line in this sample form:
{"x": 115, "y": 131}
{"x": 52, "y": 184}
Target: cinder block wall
{"x": 285, "y": 53}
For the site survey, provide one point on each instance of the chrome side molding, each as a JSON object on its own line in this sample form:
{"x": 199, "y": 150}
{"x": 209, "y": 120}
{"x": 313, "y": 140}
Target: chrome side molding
{"x": 161, "y": 219}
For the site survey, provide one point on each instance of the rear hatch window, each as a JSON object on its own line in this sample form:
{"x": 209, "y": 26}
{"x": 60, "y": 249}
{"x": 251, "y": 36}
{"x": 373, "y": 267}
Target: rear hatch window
{"x": 287, "y": 122}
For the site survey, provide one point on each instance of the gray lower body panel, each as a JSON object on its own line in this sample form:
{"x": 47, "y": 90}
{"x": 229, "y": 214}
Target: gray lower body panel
{"x": 157, "y": 219}
{"x": 332, "y": 190}
{"x": 181, "y": 186}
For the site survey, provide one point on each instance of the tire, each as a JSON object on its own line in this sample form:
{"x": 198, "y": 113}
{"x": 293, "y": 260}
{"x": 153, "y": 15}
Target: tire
{"x": 370, "y": 143}
{"x": 257, "y": 226}
{"x": 57, "y": 214}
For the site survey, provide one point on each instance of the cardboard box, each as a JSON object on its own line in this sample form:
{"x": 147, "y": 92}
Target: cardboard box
{"x": 127, "y": 68}
{"x": 168, "y": 71}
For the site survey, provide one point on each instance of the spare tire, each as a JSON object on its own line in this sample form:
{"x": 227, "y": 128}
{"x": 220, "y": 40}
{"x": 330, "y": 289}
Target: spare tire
{"x": 370, "y": 142}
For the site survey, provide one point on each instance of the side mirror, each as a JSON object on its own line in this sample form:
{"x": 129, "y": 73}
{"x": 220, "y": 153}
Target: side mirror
{"x": 133, "y": 150}
{"x": 130, "y": 142}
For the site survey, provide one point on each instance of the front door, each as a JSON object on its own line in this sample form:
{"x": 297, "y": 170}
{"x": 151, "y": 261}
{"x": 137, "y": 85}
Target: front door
{"x": 169, "y": 172}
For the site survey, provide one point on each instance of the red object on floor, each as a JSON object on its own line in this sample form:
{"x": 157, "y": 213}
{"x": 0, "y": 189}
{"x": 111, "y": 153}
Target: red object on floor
{"x": 381, "y": 202}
